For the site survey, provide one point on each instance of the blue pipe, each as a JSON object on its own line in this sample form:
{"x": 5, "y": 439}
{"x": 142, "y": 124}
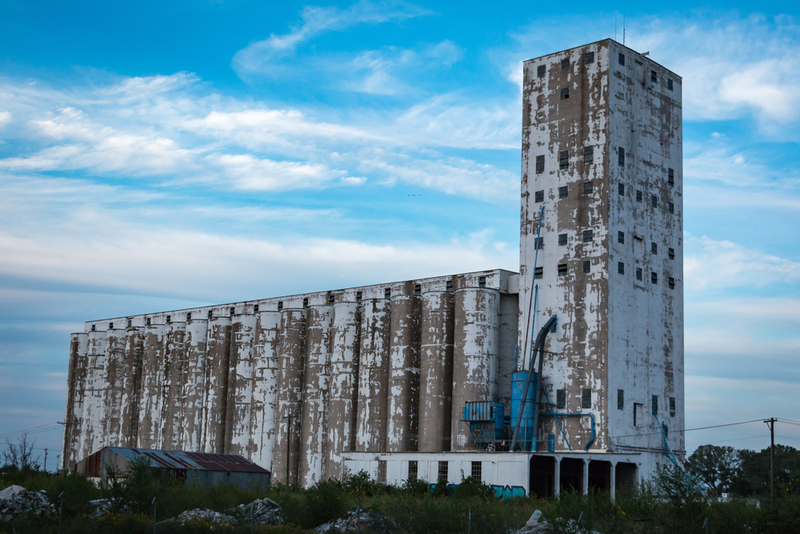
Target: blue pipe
{"x": 589, "y": 414}
{"x": 552, "y": 411}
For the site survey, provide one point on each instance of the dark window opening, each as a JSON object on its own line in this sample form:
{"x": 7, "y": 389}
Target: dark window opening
{"x": 669, "y": 84}
{"x": 540, "y": 70}
{"x": 670, "y": 177}
{"x": 443, "y": 471}
{"x": 449, "y": 286}
{"x": 562, "y": 269}
{"x": 655, "y": 404}
{"x": 94, "y": 328}
{"x": 210, "y": 312}
{"x": 671, "y": 207}
{"x": 539, "y": 243}
{"x": 653, "y": 76}
{"x": 671, "y": 283}
{"x": 587, "y": 236}
{"x": 672, "y": 406}
{"x": 111, "y": 325}
{"x": 588, "y": 155}
{"x": 621, "y": 237}
{"x": 331, "y": 299}
{"x": 539, "y": 164}
{"x": 561, "y": 399}
{"x": 280, "y": 305}
{"x": 671, "y": 253}
{"x": 588, "y": 188}
{"x": 565, "y": 93}
{"x": 654, "y": 201}
{"x": 148, "y": 321}
{"x": 538, "y": 196}
{"x": 654, "y": 277}
{"x": 255, "y": 308}
{"x": 639, "y": 273}
{"x": 563, "y": 159}
{"x": 620, "y": 399}
{"x": 477, "y": 473}
{"x": 418, "y": 289}
{"x": 638, "y": 196}
{"x": 562, "y": 239}
{"x": 588, "y": 57}
{"x": 565, "y": 64}
{"x": 621, "y": 189}
{"x": 189, "y": 317}
{"x": 232, "y": 311}
{"x": 622, "y": 59}
{"x": 654, "y": 247}
{"x": 621, "y": 156}
{"x": 538, "y": 273}
{"x": 586, "y": 398}
{"x": 169, "y": 319}
{"x": 563, "y": 191}
{"x": 481, "y": 281}
{"x": 621, "y": 268}
{"x": 587, "y": 266}
{"x": 305, "y": 302}
{"x": 412, "y": 470}
{"x": 359, "y": 296}
{"x": 387, "y": 293}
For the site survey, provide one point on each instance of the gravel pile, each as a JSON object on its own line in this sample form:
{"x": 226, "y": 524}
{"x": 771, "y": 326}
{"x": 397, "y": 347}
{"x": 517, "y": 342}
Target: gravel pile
{"x": 261, "y": 512}
{"x": 359, "y": 521}
{"x": 16, "y": 501}
{"x": 199, "y": 516}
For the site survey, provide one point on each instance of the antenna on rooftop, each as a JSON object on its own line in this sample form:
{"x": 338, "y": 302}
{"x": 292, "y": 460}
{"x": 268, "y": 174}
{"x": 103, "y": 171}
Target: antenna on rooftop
{"x": 615, "y": 27}
{"x": 623, "y": 30}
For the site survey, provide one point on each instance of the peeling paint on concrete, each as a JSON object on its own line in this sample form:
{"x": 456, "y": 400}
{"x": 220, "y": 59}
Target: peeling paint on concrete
{"x": 402, "y": 423}
{"x": 436, "y": 371}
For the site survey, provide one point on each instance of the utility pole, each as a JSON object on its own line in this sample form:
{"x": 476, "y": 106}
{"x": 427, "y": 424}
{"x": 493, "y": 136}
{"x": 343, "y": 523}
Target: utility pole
{"x": 45, "y": 460}
{"x": 288, "y": 442}
{"x": 771, "y": 424}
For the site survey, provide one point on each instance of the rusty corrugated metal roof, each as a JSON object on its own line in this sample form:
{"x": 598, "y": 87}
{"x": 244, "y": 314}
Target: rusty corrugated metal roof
{"x": 202, "y": 461}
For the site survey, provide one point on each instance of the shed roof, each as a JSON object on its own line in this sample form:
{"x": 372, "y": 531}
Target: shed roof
{"x": 201, "y": 461}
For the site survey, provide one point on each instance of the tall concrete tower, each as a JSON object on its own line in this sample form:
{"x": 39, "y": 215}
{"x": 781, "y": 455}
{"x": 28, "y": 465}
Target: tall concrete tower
{"x": 602, "y": 154}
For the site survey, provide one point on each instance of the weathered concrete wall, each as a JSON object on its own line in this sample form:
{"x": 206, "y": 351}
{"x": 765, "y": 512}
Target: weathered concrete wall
{"x": 193, "y": 394}
{"x": 290, "y": 395}
{"x": 265, "y": 388}
{"x": 402, "y": 424}
{"x": 373, "y": 376}
{"x": 216, "y": 399}
{"x": 241, "y": 373}
{"x": 436, "y": 363}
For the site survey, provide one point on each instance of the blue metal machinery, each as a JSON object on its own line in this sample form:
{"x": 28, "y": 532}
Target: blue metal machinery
{"x": 526, "y": 434}
{"x": 486, "y": 423}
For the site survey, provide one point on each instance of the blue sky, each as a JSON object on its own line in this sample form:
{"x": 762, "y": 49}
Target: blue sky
{"x": 161, "y": 155}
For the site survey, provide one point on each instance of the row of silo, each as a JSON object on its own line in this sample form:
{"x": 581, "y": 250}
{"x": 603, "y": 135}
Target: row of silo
{"x": 291, "y": 389}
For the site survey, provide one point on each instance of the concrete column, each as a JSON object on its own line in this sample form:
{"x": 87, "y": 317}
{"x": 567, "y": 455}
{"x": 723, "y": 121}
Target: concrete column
{"x": 612, "y": 481}
{"x": 402, "y": 422}
{"x": 343, "y": 387}
{"x": 92, "y": 424}
{"x": 114, "y": 378}
{"x": 585, "y": 476}
{"x": 475, "y": 355}
{"x": 131, "y": 377}
{"x": 241, "y": 370}
{"x": 291, "y": 350}
{"x": 76, "y": 390}
{"x": 193, "y": 394}
{"x": 373, "y": 376}
{"x": 557, "y": 477}
{"x": 265, "y": 388}
{"x": 436, "y": 371}
{"x": 150, "y": 398}
{"x": 216, "y": 395}
{"x": 174, "y": 365}
{"x": 316, "y": 381}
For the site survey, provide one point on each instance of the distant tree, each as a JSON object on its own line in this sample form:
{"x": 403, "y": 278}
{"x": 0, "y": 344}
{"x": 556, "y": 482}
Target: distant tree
{"x": 753, "y": 477}
{"x": 715, "y": 466}
{"x": 20, "y": 454}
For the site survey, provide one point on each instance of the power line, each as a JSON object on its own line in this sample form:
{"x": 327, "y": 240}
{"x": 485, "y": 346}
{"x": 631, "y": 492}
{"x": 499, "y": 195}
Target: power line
{"x": 33, "y": 429}
{"x": 690, "y": 429}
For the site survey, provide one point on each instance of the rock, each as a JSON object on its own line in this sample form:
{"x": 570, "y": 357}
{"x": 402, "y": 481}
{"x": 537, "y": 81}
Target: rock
{"x": 358, "y": 521}
{"x": 201, "y": 517}
{"x": 10, "y": 492}
{"x": 101, "y": 507}
{"x": 16, "y": 501}
{"x": 261, "y": 512}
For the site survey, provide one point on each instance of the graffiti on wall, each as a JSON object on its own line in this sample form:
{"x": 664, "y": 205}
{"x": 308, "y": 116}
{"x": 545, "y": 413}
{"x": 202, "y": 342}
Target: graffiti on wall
{"x": 501, "y": 492}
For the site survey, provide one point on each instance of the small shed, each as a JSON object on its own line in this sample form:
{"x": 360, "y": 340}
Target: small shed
{"x": 196, "y": 468}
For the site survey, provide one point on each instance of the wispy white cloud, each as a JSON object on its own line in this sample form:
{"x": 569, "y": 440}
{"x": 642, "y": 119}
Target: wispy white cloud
{"x": 5, "y": 118}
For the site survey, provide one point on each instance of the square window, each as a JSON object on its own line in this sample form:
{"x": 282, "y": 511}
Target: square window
{"x": 588, "y": 235}
{"x": 621, "y": 268}
{"x": 443, "y": 471}
{"x": 538, "y": 273}
{"x": 587, "y": 266}
{"x": 669, "y": 84}
{"x": 563, "y": 191}
{"x": 561, "y": 399}
{"x": 654, "y": 277}
{"x": 280, "y": 305}
{"x": 671, "y": 253}
{"x": 565, "y": 93}
{"x": 563, "y": 159}
{"x": 562, "y": 239}
{"x": 588, "y": 188}
{"x": 359, "y": 296}
{"x": 654, "y": 201}
{"x": 671, "y": 207}
{"x": 621, "y": 59}
{"x": 653, "y": 76}
{"x": 588, "y": 155}
{"x": 672, "y": 406}
{"x": 588, "y": 58}
{"x": 539, "y": 196}
{"x": 381, "y": 471}
{"x": 565, "y": 64}
{"x": 621, "y": 237}
{"x": 621, "y": 189}
{"x": 639, "y": 273}
{"x": 540, "y": 70}
{"x": 481, "y": 281}
{"x": 331, "y": 299}
{"x": 539, "y": 244}
{"x": 620, "y": 399}
{"x": 476, "y": 471}
{"x": 671, "y": 177}
{"x": 654, "y": 403}
{"x": 412, "y": 470}
{"x": 539, "y": 164}
{"x": 621, "y": 156}
{"x": 638, "y": 196}
{"x": 305, "y": 302}
{"x": 562, "y": 269}
{"x": 654, "y": 248}
{"x": 586, "y": 398}
{"x": 418, "y": 287}
{"x": 671, "y": 283}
